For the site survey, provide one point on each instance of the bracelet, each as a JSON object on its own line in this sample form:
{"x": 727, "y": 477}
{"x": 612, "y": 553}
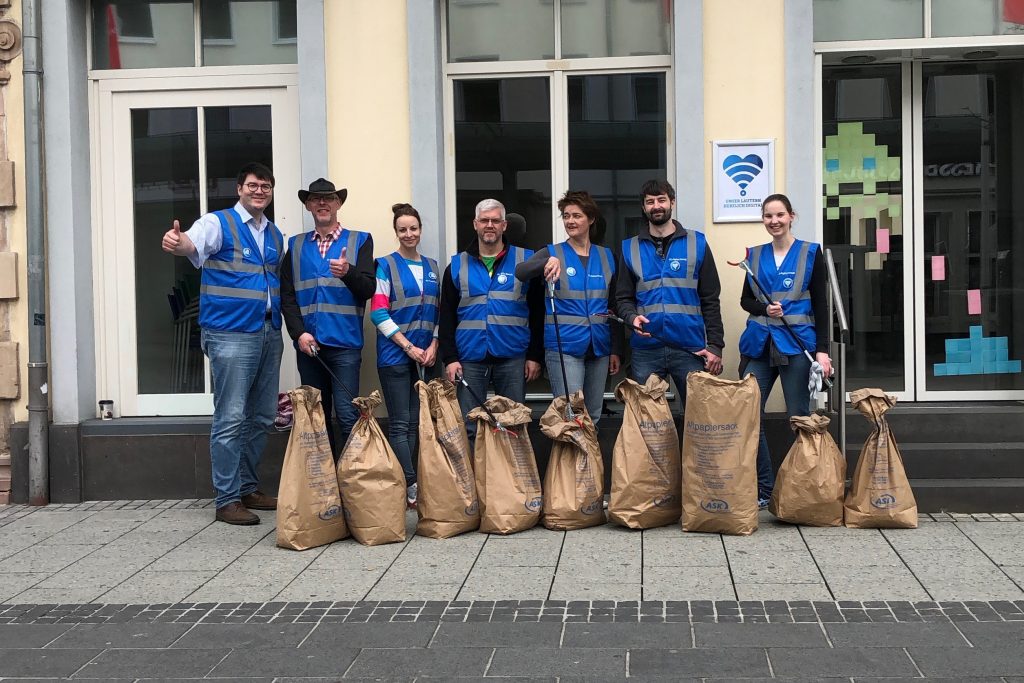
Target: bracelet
{"x": 407, "y": 347}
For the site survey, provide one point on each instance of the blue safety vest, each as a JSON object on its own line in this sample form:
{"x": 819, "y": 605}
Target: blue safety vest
{"x": 236, "y": 280}
{"x": 788, "y": 284}
{"x": 666, "y": 290}
{"x": 493, "y": 316}
{"x": 330, "y": 312}
{"x": 581, "y": 295}
{"x": 414, "y": 311}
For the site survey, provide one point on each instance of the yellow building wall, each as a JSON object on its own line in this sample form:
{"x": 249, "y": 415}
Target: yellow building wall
{"x": 14, "y": 134}
{"x": 368, "y": 124}
{"x": 744, "y": 98}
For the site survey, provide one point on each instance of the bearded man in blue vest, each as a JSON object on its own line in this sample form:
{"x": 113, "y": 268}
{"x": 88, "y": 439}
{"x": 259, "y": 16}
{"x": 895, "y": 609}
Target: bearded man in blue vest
{"x": 491, "y": 326}
{"x": 239, "y": 251}
{"x": 668, "y": 287}
{"x": 326, "y": 279}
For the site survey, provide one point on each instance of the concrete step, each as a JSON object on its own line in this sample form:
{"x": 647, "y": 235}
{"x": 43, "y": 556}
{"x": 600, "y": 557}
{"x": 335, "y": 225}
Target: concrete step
{"x": 969, "y": 495}
{"x": 954, "y": 460}
{"x": 940, "y": 422}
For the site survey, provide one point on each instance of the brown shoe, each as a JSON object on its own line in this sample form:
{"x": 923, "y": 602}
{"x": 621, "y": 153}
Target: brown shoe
{"x": 259, "y": 501}
{"x": 235, "y": 513}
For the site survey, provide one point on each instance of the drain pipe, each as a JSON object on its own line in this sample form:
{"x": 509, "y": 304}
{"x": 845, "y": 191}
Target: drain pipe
{"x": 38, "y": 392}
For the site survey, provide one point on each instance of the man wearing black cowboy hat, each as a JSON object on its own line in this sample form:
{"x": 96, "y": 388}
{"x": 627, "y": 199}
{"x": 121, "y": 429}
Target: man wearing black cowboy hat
{"x": 326, "y": 278}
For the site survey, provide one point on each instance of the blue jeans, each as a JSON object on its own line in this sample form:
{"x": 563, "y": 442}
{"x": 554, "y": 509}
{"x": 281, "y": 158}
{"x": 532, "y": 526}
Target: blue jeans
{"x": 344, "y": 363}
{"x": 508, "y": 375}
{"x": 798, "y": 402}
{"x": 665, "y": 362}
{"x": 403, "y": 404}
{"x": 588, "y": 375}
{"x": 246, "y": 369}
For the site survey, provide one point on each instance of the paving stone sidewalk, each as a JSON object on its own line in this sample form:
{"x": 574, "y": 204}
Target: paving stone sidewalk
{"x": 155, "y": 590}
{"x": 173, "y": 551}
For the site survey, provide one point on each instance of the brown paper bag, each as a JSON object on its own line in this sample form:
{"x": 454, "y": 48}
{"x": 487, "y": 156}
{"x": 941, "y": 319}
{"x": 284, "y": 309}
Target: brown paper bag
{"x": 574, "y": 481}
{"x": 880, "y": 495}
{"x": 645, "y": 461}
{"x": 309, "y": 512}
{"x": 812, "y": 479}
{"x": 371, "y": 480}
{"x": 720, "y": 437}
{"x": 507, "y": 481}
{"x": 447, "y": 504}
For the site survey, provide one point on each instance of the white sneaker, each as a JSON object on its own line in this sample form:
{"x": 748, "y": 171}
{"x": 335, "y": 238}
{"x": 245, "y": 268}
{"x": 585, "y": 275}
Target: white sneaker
{"x": 410, "y": 494}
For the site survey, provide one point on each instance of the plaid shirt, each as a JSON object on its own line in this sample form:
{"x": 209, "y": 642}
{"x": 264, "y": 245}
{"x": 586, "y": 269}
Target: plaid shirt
{"x": 324, "y": 243}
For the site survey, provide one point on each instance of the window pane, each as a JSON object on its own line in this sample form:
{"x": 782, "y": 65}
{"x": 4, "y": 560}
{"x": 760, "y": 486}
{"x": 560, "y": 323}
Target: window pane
{"x": 863, "y": 200}
{"x": 235, "y": 136}
{"x": 494, "y": 30}
{"x": 977, "y": 17}
{"x": 617, "y": 141}
{"x": 503, "y": 151}
{"x": 135, "y": 34}
{"x": 248, "y": 32}
{"x": 165, "y": 172}
{"x": 868, "y": 19}
{"x": 973, "y": 244}
{"x": 615, "y": 28}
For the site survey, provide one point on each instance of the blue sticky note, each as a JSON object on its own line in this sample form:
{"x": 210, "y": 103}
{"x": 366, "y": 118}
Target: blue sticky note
{"x": 1014, "y": 365}
{"x": 1001, "y": 342}
{"x": 940, "y": 370}
{"x": 976, "y": 332}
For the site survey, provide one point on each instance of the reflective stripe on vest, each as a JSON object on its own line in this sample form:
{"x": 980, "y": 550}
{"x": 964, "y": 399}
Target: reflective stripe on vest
{"x": 795, "y": 300}
{"x": 237, "y": 280}
{"x": 578, "y": 303}
{"x": 493, "y": 317}
{"x": 330, "y": 312}
{"x": 666, "y": 292}
{"x": 414, "y": 311}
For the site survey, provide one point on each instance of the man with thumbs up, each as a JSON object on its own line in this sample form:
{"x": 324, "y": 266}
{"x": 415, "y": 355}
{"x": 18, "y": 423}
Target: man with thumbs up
{"x": 239, "y": 251}
{"x": 326, "y": 279}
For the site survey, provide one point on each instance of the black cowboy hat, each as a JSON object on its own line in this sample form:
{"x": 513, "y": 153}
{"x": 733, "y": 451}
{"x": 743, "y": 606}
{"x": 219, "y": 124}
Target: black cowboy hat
{"x": 323, "y": 186}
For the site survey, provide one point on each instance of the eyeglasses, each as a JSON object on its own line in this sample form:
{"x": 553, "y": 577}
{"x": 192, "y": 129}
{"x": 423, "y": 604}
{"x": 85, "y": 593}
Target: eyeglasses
{"x": 490, "y": 221}
{"x": 262, "y": 187}
{"x": 321, "y": 198}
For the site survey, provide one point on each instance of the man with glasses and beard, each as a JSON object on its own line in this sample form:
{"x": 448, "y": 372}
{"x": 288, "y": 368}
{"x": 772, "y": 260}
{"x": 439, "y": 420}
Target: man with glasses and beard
{"x": 668, "y": 288}
{"x": 239, "y": 251}
{"x": 325, "y": 281}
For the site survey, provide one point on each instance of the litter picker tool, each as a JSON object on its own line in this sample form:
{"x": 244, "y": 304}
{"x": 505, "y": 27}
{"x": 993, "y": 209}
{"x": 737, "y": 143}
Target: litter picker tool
{"x": 612, "y": 316}
{"x": 561, "y": 358}
{"x": 316, "y": 354}
{"x": 816, "y": 370}
{"x": 497, "y": 423}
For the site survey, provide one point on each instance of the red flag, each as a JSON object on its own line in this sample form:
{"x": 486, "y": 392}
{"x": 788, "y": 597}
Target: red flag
{"x": 113, "y": 47}
{"x": 1013, "y": 11}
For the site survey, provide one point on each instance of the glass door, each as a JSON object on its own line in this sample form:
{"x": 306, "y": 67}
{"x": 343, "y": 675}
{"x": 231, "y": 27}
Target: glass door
{"x": 175, "y": 156}
{"x": 970, "y": 260}
{"x": 865, "y": 197}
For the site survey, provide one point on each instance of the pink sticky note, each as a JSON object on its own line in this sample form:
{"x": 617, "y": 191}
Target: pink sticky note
{"x": 882, "y": 240}
{"x": 938, "y": 267}
{"x": 973, "y": 302}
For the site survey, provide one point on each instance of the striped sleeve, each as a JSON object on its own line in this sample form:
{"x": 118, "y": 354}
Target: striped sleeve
{"x": 380, "y": 305}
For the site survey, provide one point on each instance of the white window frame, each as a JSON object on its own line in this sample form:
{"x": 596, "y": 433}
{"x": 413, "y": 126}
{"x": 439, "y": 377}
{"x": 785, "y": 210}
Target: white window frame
{"x": 113, "y": 241}
{"x": 558, "y": 71}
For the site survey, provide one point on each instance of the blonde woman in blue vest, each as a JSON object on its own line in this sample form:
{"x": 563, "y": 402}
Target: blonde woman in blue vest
{"x": 404, "y": 309}
{"x": 793, "y": 271}
{"x": 585, "y": 273}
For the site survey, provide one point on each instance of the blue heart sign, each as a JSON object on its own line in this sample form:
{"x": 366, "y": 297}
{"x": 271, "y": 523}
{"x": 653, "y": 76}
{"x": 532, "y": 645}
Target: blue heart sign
{"x": 742, "y": 170}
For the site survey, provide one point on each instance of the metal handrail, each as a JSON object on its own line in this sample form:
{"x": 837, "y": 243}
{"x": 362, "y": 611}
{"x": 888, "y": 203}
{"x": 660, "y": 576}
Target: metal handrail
{"x": 836, "y": 311}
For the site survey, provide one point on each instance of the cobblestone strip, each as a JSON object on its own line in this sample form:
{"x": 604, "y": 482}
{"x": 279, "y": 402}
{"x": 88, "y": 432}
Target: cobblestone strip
{"x": 698, "y": 611}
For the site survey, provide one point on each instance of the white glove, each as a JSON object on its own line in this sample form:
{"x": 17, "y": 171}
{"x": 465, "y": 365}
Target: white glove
{"x": 816, "y": 378}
